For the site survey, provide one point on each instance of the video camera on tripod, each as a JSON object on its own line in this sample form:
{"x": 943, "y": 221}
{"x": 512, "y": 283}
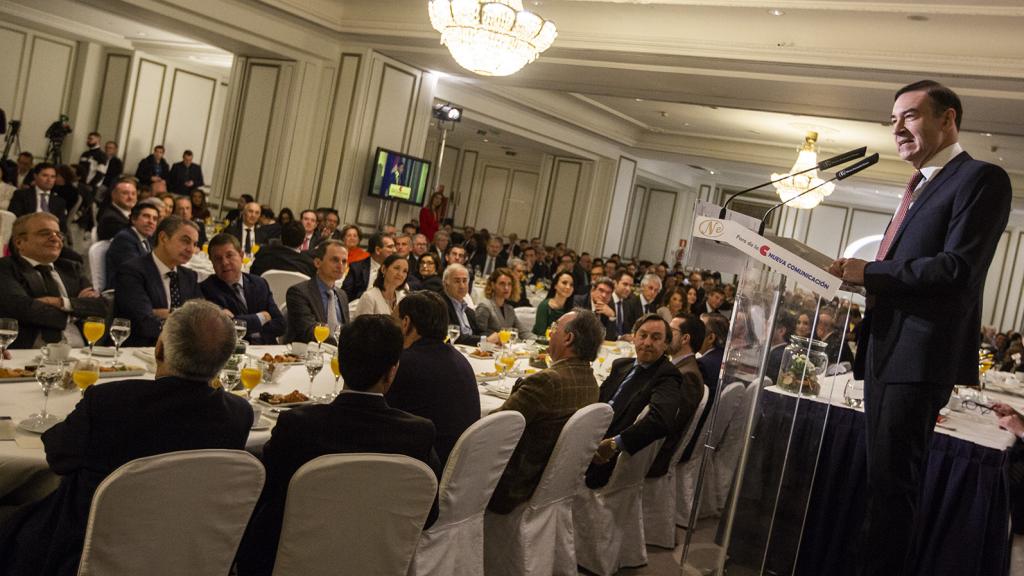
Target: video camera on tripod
{"x": 56, "y": 134}
{"x": 11, "y": 136}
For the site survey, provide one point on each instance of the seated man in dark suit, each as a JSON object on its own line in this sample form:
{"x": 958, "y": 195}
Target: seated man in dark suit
{"x": 363, "y": 273}
{"x": 45, "y": 294}
{"x": 317, "y": 300}
{"x": 650, "y": 380}
{"x": 434, "y": 380}
{"x": 456, "y": 286}
{"x": 597, "y": 301}
{"x": 248, "y": 229}
{"x": 40, "y": 197}
{"x": 242, "y": 296}
{"x": 183, "y": 208}
{"x": 185, "y": 176}
{"x": 687, "y": 336}
{"x": 113, "y": 217}
{"x": 838, "y": 348}
{"x": 153, "y": 168}
{"x": 286, "y": 255}
{"x": 785, "y": 324}
{"x": 150, "y": 287}
{"x": 358, "y": 420}
{"x": 716, "y": 330}
{"x": 547, "y": 400}
{"x": 626, "y": 304}
{"x": 132, "y": 242}
{"x": 486, "y": 261}
{"x": 117, "y": 422}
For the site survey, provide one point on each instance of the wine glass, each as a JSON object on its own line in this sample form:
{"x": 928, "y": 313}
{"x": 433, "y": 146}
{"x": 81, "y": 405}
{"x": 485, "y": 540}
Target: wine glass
{"x": 336, "y": 368}
{"x": 48, "y": 374}
{"x": 120, "y": 329}
{"x": 251, "y": 375}
{"x": 513, "y": 335}
{"x": 93, "y": 329}
{"x": 320, "y": 332}
{"x": 85, "y": 373}
{"x": 314, "y": 362}
{"x": 240, "y": 329}
{"x": 8, "y": 334}
{"x": 453, "y": 333}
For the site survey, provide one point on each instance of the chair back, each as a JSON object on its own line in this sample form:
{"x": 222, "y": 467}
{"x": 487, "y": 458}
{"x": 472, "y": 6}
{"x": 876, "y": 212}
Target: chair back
{"x": 177, "y": 513}
{"x": 98, "y": 264}
{"x": 691, "y": 429}
{"x": 631, "y": 469}
{"x": 730, "y": 402}
{"x": 6, "y": 226}
{"x": 572, "y": 453}
{"x": 475, "y": 465}
{"x": 280, "y": 281}
{"x": 354, "y": 514}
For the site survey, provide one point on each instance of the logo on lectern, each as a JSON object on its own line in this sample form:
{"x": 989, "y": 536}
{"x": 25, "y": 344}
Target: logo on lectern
{"x": 712, "y": 228}
{"x": 765, "y": 249}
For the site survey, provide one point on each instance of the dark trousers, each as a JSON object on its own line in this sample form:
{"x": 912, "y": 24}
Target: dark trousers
{"x": 900, "y": 421}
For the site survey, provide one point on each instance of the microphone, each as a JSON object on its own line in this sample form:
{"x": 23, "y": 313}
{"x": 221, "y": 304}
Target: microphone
{"x": 840, "y": 175}
{"x": 823, "y": 165}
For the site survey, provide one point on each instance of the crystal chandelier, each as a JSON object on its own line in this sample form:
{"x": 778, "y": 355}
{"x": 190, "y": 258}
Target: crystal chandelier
{"x": 792, "y": 186}
{"x": 491, "y": 37}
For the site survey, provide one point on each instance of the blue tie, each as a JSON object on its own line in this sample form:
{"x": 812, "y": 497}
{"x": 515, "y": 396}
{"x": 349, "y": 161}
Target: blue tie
{"x": 622, "y": 385}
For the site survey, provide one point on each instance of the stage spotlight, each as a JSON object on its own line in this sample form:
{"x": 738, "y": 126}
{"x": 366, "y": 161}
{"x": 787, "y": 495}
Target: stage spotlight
{"x": 447, "y": 112}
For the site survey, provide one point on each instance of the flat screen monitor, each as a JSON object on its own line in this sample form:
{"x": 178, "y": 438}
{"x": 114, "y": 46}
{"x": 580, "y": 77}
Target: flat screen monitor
{"x": 400, "y": 177}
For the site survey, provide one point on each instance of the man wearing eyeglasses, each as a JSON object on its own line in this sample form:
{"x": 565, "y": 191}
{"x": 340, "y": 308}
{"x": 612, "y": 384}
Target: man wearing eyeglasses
{"x": 43, "y": 292}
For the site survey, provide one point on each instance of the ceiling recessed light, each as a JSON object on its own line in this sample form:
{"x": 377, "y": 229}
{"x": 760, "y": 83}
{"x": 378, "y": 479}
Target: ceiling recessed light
{"x": 989, "y": 134}
{"x": 141, "y": 34}
{"x": 712, "y": 172}
{"x": 486, "y": 140}
{"x": 776, "y": 12}
{"x": 686, "y": 123}
{"x": 639, "y": 99}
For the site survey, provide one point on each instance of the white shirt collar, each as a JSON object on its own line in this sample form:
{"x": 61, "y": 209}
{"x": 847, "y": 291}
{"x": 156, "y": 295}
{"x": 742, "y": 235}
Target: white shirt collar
{"x": 364, "y": 393}
{"x": 939, "y": 160}
{"x": 41, "y": 191}
{"x": 160, "y": 266}
{"x": 34, "y": 263}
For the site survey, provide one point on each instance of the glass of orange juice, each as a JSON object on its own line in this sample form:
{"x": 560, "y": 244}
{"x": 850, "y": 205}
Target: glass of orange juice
{"x": 85, "y": 373}
{"x": 93, "y": 330}
{"x": 321, "y": 332}
{"x": 504, "y": 336}
{"x": 336, "y": 368}
{"x": 251, "y": 375}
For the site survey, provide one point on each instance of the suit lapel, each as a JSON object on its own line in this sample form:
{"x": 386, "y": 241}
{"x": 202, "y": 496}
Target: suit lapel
{"x": 156, "y": 283}
{"x": 931, "y": 188}
{"x": 313, "y": 292}
{"x": 32, "y": 277}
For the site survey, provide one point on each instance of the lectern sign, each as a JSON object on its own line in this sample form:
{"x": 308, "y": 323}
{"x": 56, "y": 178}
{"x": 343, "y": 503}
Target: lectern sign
{"x": 761, "y": 249}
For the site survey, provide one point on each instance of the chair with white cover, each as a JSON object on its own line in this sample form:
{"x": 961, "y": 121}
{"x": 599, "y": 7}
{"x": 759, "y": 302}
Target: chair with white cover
{"x": 660, "y": 492}
{"x": 609, "y": 521}
{"x": 726, "y": 458}
{"x": 98, "y": 264}
{"x": 280, "y": 281}
{"x": 455, "y": 543}
{"x": 149, "y": 517}
{"x": 354, "y": 514}
{"x": 686, "y": 473}
{"x": 6, "y": 226}
{"x": 527, "y": 315}
{"x": 537, "y": 538}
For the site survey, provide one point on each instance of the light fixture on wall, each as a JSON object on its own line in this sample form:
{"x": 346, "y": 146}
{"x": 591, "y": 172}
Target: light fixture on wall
{"x": 491, "y": 37}
{"x": 797, "y": 184}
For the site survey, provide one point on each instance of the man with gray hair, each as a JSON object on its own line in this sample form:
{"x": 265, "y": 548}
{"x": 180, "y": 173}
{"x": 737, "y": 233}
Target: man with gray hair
{"x": 547, "y": 399}
{"x": 121, "y": 421}
{"x": 650, "y": 287}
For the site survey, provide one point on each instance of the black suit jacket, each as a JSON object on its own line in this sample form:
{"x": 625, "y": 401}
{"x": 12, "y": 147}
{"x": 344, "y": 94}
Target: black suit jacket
{"x": 924, "y": 312}
{"x": 631, "y": 312}
{"x": 181, "y": 174}
{"x": 710, "y": 366}
{"x": 124, "y": 246}
{"x": 690, "y": 393}
{"x": 25, "y": 201}
{"x": 479, "y": 260}
{"x": 263, "y": 234}
{"x": 611, "y": 330}
{"x": 258, "y": 298}
{"x": 352, "y": 423}
{"x": 113, "y": 424}
{"x": 149, "y": 167}
{"x": 658, "y": 386}
{"x": 453, "y": 318}
{"x": 140, "y": 290}
{"x": 436, "y": 382}
{"x": 21, "y": 284}
{"x": 111, "y": 221}
{"x": 306, "y": 309}
{"x": 115, "y": 167}
{"x": 281, "y": 257}
{"x": 358, "y": 279}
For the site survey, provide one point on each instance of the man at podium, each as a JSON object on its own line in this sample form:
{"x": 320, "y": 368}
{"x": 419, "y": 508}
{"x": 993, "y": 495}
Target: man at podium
{"x": 920, "y": 332}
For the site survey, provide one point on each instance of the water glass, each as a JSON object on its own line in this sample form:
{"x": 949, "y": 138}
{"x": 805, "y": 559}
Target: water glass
{"x": 120, "y": 329}
{"x": 8, "y": 334}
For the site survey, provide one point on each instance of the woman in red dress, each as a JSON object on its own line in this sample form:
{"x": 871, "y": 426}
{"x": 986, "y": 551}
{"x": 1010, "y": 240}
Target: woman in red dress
{"x": 432, "y": 214}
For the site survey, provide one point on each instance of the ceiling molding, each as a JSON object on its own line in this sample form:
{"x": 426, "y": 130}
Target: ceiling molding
{"x": 841, "y": 6}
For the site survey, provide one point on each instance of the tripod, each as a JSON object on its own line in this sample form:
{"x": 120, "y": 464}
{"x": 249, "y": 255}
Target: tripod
{"x": 11, "y": 140}
{"x": 53, "y": 151}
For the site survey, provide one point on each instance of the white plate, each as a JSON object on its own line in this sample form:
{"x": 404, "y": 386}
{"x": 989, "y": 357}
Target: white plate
{"x": 487, "y": 377}
{"x": 263, "y": 423}
{"x": 285, "y": 405}
{"x": 34, "y": 427}
{"x": 104, "y": 351}
{"x": 502, "y": 393}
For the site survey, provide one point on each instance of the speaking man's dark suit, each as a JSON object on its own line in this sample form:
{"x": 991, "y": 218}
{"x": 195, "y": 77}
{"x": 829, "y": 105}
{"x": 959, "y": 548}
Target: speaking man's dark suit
{"x": 21, "y": 284}
{"x": 546, "y": 400}
{"x": 111, "y": 221}
{"x": 258, "y": 298}
{"x": 181, "y": 174}
{"x": 920, "y": 332}
{"x": 631, "y": 312}
{"x": 358, "y": 279}
{"x": 306, "y": 309}
{"x": 611, "y": 330}
{"x": 453, "y": 318}
{"x": 436, "y": 382}
{"x": 26, "y": 201}
{"x": 113, "y": 424}
{"x": 480, "y": 261}
{"x": 281, "y": 257}
{"x": 124, "y": 246}
{"x": 352, "y": 423}
{"x": 659, "y": 386}
{"x": 140, "y": 290}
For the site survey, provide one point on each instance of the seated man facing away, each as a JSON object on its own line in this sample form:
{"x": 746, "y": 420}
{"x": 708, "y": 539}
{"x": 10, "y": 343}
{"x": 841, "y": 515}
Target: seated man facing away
{"x": 547, "y": 400}
{"x": 434, "y": 380}
{"x": 358, "y": 420}
{"x": 318, "y": 300}
{"x": 117, "y": 422}
{"x": 650, "y": 380}
{"x": 240, "y": 295}
{"x": 285, "y": 256}
{"x": 45, "y": 294}
{"x": 132, "y": 242}
{"x": 150, "y": 287}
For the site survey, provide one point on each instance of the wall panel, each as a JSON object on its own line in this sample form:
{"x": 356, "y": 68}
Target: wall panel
{"x": 464, "y": 189}
{"x": 616, "y": 228}
{"x": 825, "y": 229}
{"x": 865, "y": 223}
{"x": 518, "y": 206}
{"x": 189, "y": 111}
{"x": 12, "y": 46}
{"x": 49, "y": 76}
{"x": 145, "y": 110}
{"x": 994, "y": 285}
{"x": 113, "y": 92}
{"x": 636, "y": 214}
{"x": 339, "y": 133}
{"x": 254, "y": 129}
{"x": 1011, "y": 302}
{"x": 493, "y": 188}
{"x": 661, "y": 206}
